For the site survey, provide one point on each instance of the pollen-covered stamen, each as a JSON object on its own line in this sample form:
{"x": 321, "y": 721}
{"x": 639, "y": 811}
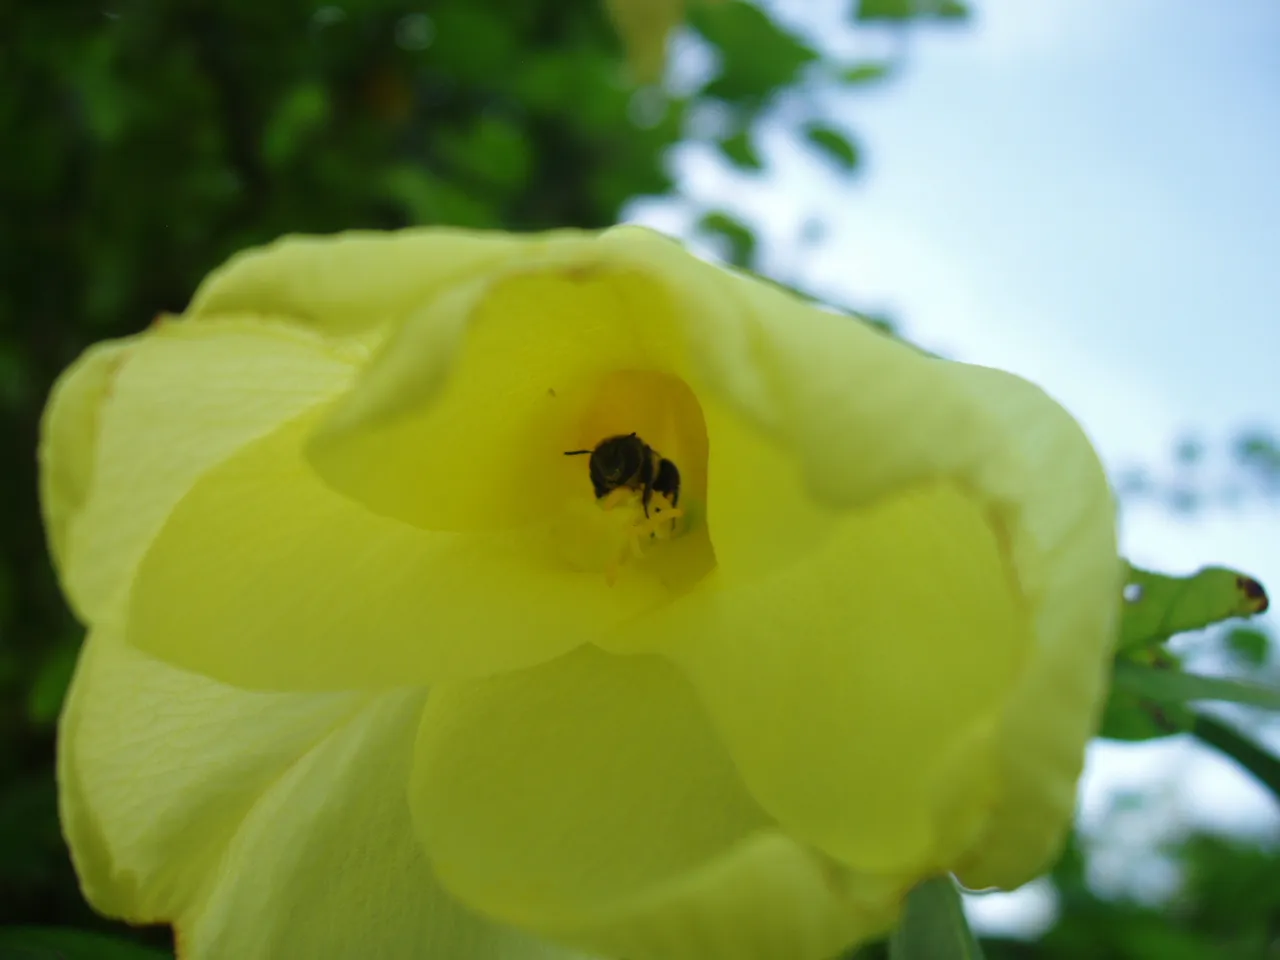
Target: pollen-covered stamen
{"x": 662, "y": 523}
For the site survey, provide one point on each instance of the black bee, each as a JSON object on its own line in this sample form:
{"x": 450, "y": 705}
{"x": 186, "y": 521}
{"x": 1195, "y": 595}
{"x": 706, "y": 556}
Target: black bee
{"x": 627, "y": 461}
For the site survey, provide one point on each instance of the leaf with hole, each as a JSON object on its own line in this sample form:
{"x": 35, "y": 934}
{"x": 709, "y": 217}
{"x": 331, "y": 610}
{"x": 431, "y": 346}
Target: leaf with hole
{"x": 1156, "y": 606}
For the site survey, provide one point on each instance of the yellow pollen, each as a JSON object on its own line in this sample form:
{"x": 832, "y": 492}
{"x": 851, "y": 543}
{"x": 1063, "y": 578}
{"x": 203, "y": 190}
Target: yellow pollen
{"x": 661, "y": 524}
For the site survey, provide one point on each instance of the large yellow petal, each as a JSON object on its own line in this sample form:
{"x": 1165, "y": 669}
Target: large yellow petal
{"x": 263, "y": 577}
{"x": 770, "y": 897}
{"x": 590, "y": 799}
{"x": 348, "y": 283}
{"x": 157, "y": 767}
{"x": 260, "y": 825}
{"x": 858, "y": 686}
{"x": 817, "y": 424}
{"x": 809, "y": 416}
{"x": 921, "y": 678}
{"x": 181, "y": 399}
{"x": 69, "y": 439}
{"x": 1054, "y": 708}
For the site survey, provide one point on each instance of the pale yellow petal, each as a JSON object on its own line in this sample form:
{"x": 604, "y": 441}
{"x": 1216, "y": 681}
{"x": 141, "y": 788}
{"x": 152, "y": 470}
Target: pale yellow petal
{"x": 768, "y": 898}
{"x": 69, "y": 439}
{"x": 183, "y": 398}
{"x": 589, "y": 798}
{"x": 556, "y": 790}
{"x": 348, "y": 283}
{"x": 263, "y": 577}
{"x": 157, "y": 767}
{"x": 813, "y": 419}
{"x": 1053, "y": 710}
{"x": 809, "y": 416}
{"x": 858, "y": 686}
{"x": 262, "y": 826}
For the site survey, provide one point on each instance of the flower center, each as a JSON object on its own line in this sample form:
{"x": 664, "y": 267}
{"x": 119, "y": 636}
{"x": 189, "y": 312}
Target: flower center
{"x": 638, "y": 472}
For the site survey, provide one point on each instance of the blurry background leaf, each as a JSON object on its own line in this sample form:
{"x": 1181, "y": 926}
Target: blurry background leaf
{"x": 740, "y": 151}
{"x": 739, "y": 242}
{"x": 832, "y": 144}
{"x": 866, "y": 72}
{"x": 899, "y": 10}
{"x": 758, "y": 57}
{"x": 52, "y": 677}
{"x": 1248, "y": 646}
{"x": 47, "y": 943}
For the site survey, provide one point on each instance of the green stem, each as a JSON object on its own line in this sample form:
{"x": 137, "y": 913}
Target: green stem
{"x": 933, "y": 925}
{"x": 1263, "y": 765}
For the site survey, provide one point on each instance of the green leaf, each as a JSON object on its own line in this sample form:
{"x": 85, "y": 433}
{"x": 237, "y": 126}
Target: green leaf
{"x": 833, "y": 144}
{"x": 300, "y": 114}
{"x": 1175, "y": 686}
{"x": 1157, "y": 606}
{"x": 49, "y": 686}
{"x": 740, "y": 151}
{"x": 866, "y": 72}
{"x": 899, "y": 10}
{"x": 933, "y": 925}
{"x": 1131, "y": 718}
{"x": 491, "y": 148}
{"x": 758, "y": 57}
{"x": 65, "y": 943}
{"x": 885, "y": 10}
{"x": 736, "y": 234}
{"x": 1248, "y": 646}
{"x": 1263, "y": 765}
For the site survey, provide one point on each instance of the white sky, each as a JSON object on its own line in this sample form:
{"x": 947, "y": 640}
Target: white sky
{"x": 1087, "y": 193}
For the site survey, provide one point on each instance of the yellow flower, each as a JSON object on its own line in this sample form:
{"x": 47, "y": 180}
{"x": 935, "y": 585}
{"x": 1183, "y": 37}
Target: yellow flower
{"x": 865, "y": 644}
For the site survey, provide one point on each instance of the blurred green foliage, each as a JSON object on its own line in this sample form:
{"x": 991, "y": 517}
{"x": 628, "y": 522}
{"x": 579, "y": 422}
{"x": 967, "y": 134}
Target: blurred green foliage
{"x": 146, "y": 141}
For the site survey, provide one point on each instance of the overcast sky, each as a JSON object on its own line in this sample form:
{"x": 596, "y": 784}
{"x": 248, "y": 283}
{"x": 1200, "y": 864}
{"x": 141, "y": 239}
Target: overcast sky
{"x": 1087, "y": 193}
